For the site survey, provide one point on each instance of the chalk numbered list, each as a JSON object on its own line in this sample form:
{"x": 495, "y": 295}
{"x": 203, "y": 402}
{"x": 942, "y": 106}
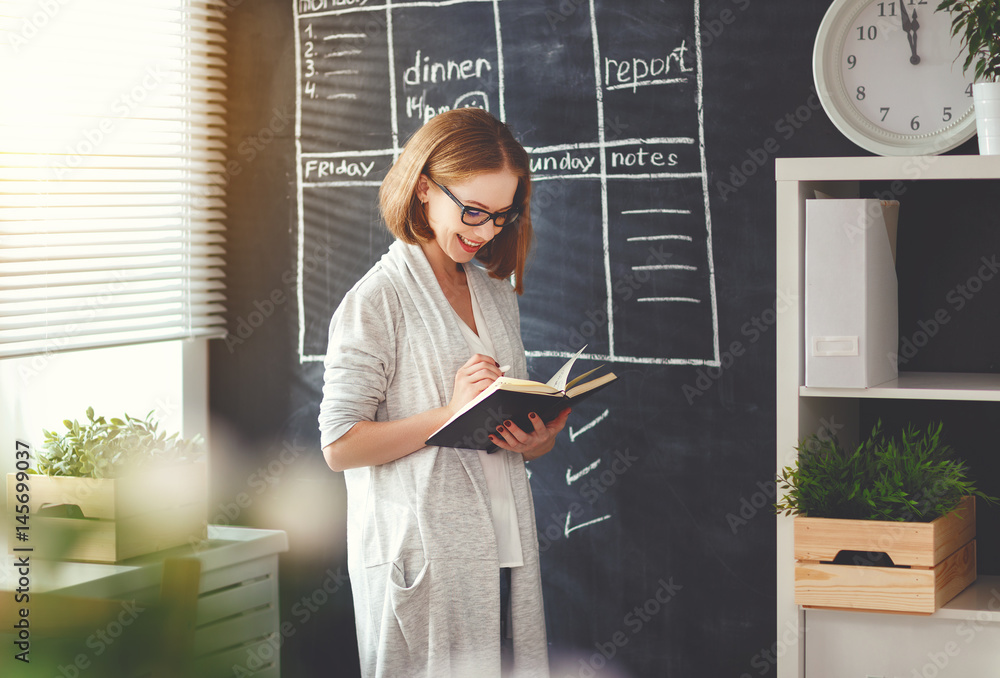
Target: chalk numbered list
{"x": 607, "y": 99}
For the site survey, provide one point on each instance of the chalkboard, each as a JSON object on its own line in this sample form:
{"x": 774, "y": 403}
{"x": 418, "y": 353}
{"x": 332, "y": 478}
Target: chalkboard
{"x": 658, "y": 544}
{"x": 620, "y": 205}
{"x": 607, "y": 98}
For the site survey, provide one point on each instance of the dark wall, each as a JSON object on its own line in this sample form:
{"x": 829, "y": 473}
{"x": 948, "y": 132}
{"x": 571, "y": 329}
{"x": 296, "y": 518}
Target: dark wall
{"x": 680, "y": 579}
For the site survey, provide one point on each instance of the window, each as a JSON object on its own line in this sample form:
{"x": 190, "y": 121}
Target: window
{"x": 111, "y": 173}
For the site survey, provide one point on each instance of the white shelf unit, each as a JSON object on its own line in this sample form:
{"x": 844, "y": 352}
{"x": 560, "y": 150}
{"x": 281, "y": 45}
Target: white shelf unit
{"x": 802, "y": 411}
{"x": 237, "y": 626}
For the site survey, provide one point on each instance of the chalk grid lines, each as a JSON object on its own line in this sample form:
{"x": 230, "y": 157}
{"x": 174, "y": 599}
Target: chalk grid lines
{"x": 603, "y": 176}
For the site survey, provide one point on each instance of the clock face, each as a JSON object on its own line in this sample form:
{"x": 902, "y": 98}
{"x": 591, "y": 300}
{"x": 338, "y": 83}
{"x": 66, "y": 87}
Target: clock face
{"x": 890, "y": 76}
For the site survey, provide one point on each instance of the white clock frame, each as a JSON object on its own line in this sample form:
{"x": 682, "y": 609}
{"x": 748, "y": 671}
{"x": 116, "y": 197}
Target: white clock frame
{"x": 828, "y": 76}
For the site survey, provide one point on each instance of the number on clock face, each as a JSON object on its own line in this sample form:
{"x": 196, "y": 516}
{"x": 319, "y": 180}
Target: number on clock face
{"x": 900, "y": 71}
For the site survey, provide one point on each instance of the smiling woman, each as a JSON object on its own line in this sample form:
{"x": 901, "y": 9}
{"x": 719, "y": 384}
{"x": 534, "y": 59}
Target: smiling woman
{"x": 418, "y": 337}
{"x": 460, "y": 233}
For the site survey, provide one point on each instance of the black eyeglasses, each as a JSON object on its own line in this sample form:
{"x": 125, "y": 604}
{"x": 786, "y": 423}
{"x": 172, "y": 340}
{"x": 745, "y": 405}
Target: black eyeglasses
{"x": 473, "y": 216}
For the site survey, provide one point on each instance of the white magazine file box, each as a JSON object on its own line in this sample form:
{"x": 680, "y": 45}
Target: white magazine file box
{"x": 851, "y": 300}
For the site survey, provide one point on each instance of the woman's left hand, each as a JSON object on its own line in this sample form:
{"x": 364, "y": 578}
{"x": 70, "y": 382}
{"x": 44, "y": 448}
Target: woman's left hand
{"x": 532, "y": 445}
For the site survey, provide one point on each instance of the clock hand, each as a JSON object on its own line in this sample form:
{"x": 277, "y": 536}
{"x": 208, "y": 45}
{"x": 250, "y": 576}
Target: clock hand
{"x": 911, "y": 35}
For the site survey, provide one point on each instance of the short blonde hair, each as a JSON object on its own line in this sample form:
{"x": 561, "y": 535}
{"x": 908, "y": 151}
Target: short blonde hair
{"x": 452, "y": 148}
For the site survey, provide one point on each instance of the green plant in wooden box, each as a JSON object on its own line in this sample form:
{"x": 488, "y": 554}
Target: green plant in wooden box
{"x": 112, "y": 489}
{"x": 106, "y": 448}
{"x": 915, "y": 478}
{"x": 904, "y": 504}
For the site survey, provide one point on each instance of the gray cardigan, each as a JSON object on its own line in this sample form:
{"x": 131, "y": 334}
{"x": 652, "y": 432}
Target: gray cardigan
{"x": 422, "y": 554}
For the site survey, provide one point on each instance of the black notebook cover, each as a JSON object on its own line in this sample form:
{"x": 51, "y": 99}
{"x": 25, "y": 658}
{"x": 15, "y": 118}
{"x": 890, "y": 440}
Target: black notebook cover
{"x": 472, "y": 429}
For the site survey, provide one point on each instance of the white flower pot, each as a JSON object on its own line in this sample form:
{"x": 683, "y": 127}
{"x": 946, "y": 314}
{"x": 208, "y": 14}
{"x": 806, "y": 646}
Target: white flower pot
{"x": 987, "y": 98}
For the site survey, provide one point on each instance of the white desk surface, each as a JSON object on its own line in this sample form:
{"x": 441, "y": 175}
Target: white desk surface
{"x": 225, "y": 546}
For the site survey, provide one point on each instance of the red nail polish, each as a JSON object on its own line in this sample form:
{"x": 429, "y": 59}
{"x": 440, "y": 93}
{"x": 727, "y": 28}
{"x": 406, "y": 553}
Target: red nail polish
{"x": 499, "y": 429}
{"x": 508, "y": 423}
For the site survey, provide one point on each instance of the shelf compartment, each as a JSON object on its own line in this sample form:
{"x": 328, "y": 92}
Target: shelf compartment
{"x": 920, "y": 386}
{"x": 888, "y": 168}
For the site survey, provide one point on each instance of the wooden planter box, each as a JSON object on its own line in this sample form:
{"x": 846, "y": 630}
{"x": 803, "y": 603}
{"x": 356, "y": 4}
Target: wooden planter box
{"x": 122, "y": 517}
{"x": 932, "y": 562}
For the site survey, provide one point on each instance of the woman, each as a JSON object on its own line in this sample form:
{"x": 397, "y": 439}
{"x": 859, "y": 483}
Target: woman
{"x": 419, "y": 336}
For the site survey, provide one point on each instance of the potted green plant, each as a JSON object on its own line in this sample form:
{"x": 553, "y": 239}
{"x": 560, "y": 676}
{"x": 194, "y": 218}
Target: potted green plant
{"x": 977, "y": 22}
{"x": 888, "y": 525}
{"x": 111, "y": 489}
{"x": 107, "y": 448}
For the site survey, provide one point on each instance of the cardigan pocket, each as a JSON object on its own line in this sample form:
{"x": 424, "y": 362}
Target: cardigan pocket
{"x": 405, "y": 627}
{"x": 407, "y": 572}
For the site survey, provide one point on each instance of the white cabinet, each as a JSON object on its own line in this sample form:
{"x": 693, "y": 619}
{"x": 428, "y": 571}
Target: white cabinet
{"x": 964, "y": 635}
{"x": 237, "y": 626}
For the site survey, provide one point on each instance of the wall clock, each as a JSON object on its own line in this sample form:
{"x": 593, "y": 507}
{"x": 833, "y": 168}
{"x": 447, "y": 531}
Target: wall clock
{"x": 888, "y": 75}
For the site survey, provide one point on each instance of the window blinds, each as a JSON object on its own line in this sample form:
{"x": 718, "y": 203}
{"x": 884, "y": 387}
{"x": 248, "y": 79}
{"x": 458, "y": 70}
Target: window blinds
{"x": 112, "y": 172}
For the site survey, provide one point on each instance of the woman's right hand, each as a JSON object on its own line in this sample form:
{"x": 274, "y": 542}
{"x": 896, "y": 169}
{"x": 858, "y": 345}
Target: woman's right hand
{"x": 473, "y": 378}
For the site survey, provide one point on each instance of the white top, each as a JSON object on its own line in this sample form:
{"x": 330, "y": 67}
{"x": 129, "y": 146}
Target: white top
{"x": 496, "y": 466}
